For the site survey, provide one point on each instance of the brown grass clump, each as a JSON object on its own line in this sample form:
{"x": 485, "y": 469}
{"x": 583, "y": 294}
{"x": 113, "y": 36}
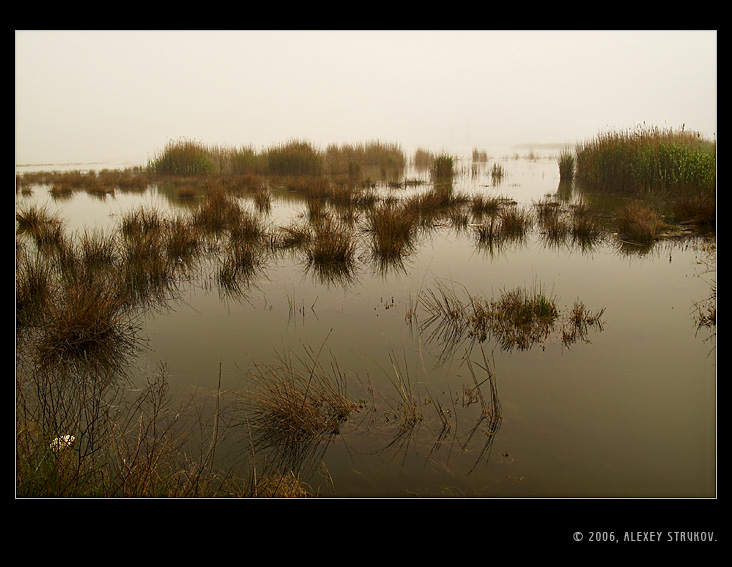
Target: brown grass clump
{"x": 218, "y": 211}
{"x": 585, "y": 225}
{"x": 551, "y": 221}
{"x": 86, "y": 321}
{"x": 38, "y": 222}
{"x": 294, "y": 407}
{"x": 331, "y": 252}
{"x": 481, "y": 205}
{"x": 182, "y": 238}
{"x": 695, "y": 208}
{"x": 33, "y": 287}
{"x": 638, "y": 223}
{"x": 392, "y": 228}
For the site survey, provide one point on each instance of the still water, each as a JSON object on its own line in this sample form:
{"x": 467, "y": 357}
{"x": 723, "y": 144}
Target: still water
{"x": 630, "y": 412}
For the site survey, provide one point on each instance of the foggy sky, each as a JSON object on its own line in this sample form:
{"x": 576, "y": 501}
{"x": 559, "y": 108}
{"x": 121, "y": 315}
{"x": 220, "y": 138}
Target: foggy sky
{"x": 121, "y": 95}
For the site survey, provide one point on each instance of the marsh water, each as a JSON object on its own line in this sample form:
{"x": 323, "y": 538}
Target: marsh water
{"x": 629, "y": 411}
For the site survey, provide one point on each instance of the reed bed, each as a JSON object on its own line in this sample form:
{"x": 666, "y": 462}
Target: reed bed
{"x": 293, "y": 158}
{"x": 350, "y": 161}
{"x": 648, "y": 159}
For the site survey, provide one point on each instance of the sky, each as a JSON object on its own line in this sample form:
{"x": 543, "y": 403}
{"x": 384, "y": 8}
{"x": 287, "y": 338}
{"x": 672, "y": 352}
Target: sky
{"x": 117, "y": 95}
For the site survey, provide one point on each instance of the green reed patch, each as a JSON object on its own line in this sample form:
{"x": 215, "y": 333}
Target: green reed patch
{"x": 648, "y": 160}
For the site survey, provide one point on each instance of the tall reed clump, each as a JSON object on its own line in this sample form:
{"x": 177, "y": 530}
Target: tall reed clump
{"x": 566, "y": 164}
{"x": 497, "y": 172}
{"x": 442, "y": 168}
{"x": 676, "y": 163}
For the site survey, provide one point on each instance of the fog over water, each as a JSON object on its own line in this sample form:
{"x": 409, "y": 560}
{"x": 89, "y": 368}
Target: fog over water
{"x": 109, "y": 95}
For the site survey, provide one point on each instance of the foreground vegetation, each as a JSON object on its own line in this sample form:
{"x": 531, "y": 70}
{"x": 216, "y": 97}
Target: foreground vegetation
{"x": 80, "y": 298}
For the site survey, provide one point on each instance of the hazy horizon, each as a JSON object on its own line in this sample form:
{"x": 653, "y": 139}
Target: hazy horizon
{"x": 109, "y": 95}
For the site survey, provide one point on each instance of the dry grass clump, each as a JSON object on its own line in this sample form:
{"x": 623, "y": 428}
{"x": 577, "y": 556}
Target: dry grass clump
{"x": 392, "y": 228}
{"x": 33, "y": 287}
{"x": 294, "y": 407}
{"x": 506, "y": 222}
{"x": 638, "y": 222}
{"x": 515, "y": 222}
{"x": 552, "y": 222}
{"x": 182, "y": 238}
{"x": 218, "y": 211}
{"x": 99, "y": 249}
{"x": 585, "y": 225}
{"x": 423, "y": 159}
{"x": 481, "y": 205}
{"x": 38, "y": 222}
{"x": 331, "y": 251}
{"x": 695, "y": 208}
{"x": 580, "y": 322}
{"x": 86, "y": 321}
{"x": 141, "y": 220}
{"x": 520, "y": 318}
